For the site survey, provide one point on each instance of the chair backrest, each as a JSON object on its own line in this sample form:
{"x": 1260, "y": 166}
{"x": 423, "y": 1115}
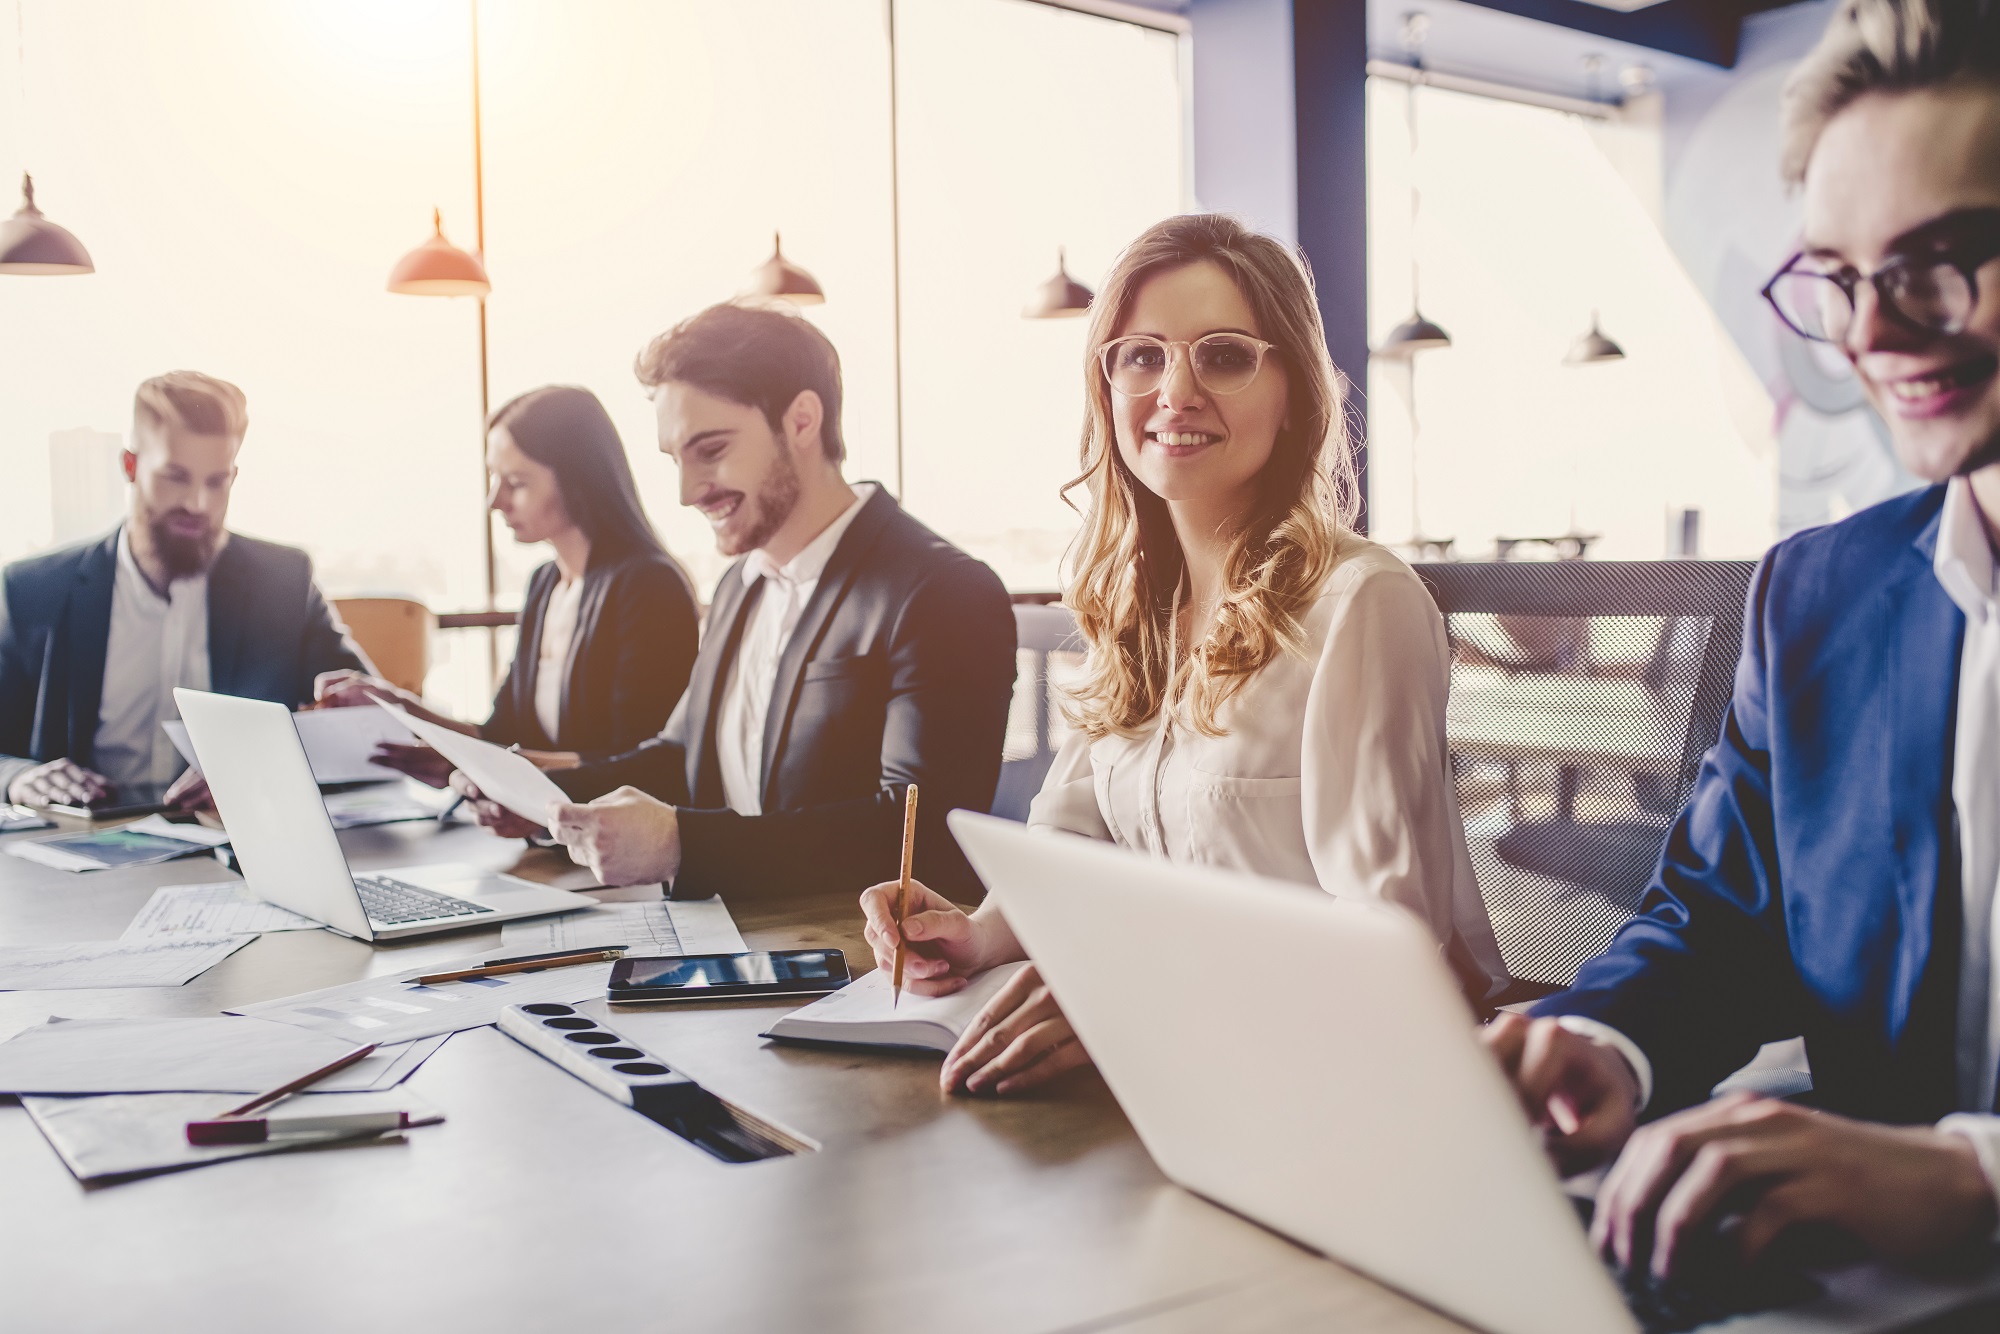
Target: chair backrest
{"x": 1584, "y": 695}
{"x": 395, "y": 633}
{"x": 1045, "y": 636}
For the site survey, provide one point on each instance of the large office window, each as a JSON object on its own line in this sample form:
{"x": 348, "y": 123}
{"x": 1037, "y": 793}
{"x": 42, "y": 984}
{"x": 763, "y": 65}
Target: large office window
{"x": 246, "y": 171}
{"x": 1530, "y": 221}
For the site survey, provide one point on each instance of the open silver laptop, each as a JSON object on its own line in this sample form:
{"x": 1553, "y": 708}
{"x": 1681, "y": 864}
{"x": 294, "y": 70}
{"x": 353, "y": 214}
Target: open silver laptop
{"x": 288, "y": 852}
{"x": 1309, "y": 1064}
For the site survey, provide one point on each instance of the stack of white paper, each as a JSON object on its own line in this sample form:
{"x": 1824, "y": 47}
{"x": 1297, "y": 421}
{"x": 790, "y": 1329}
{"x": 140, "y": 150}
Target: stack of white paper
{"x": 396, "y": 1009}
{"x": 122, "y": 1136}
{"x": 659, "y": 927}
{"x": 216, "y": 1055}
{"x": 158, "y": 1055}
{"x": 222, "y": 908}
{"x": 151, "y": 961}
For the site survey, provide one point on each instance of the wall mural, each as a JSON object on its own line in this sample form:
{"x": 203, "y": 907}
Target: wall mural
{"x": 1734, "y": 223}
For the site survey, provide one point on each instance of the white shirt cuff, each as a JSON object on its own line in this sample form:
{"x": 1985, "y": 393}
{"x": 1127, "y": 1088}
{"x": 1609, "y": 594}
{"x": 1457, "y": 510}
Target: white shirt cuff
{"x": 1606, "y": 1036}
{"x": 1983, "y": 1133}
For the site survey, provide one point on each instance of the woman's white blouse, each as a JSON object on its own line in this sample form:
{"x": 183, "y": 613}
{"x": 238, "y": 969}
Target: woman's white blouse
{"x": 1333, "y": 770}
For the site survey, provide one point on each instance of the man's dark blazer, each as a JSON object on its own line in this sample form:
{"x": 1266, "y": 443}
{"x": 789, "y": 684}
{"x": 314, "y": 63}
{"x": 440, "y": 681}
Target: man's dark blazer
{"x": 637, "y": 628}
{"x": 269, "y": 634}
{"x": 900, "y": 671}
{"x": 1812, "y": 884}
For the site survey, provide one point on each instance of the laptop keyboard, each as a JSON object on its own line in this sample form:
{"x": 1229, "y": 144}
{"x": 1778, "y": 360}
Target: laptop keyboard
{"x": 1712, "y": 1286}
{"x": 393, "y": 902}
{"x": 1673, "y": 1305}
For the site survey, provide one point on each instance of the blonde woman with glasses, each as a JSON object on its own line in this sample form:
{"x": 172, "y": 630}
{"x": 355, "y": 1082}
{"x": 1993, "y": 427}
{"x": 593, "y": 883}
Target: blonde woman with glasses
{"x": 1264, "y": 689}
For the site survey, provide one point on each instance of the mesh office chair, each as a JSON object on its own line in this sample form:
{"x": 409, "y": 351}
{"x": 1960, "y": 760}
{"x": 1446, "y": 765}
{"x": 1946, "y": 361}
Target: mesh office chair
{"x": 1583, "y": 697}
{"x": 1047, "y": 646}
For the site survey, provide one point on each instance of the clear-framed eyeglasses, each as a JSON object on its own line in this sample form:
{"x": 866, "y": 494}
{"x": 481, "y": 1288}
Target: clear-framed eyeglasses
{"x": 1933, "y": 293}
{"x": 1223, "y": 363}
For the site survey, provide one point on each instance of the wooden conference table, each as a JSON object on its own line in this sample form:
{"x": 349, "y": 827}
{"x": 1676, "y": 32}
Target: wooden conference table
{"x": 542, "y": 1206}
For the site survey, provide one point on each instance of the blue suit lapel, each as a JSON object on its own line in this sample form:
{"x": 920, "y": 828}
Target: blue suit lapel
{"x": 1925, "y": 630}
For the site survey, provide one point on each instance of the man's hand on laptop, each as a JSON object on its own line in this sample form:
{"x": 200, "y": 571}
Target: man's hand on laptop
{"x": 1902, "y": 1191}
{"x": 625, "y": 836}
{"x": 490, "y": 813}
{"x": 1580, "y": 1094}
{"x": 58, "y": 780}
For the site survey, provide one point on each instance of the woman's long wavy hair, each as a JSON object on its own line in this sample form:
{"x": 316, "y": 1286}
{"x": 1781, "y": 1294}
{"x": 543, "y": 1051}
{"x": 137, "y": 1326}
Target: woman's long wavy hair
{"x": 1127, "y": 561}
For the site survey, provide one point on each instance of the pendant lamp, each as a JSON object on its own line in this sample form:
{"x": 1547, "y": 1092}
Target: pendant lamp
{"x": 31, "y": 245}
{"x": 1593, "y": 348}
{"x": 1415, "y": 334}
{"x": 439, "y": 268}
{"x": 781, "y": 278}
{"x": 1061, "y": 297}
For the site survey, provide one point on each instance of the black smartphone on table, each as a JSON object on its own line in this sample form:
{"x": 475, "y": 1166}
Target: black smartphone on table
{"x": 698, "y": 977}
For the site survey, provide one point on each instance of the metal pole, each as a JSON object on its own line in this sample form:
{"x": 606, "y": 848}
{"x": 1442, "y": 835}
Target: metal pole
{"x": 895, "y": 247}
{"x": 479, "y": 239}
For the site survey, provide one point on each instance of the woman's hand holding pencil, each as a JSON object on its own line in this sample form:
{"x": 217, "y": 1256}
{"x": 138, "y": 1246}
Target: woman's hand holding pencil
{"x": 943, "y": 946}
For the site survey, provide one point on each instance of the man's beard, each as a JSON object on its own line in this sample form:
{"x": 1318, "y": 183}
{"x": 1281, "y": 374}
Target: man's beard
{"x": 182, "y": 556}
{"x": 774, "y": 504}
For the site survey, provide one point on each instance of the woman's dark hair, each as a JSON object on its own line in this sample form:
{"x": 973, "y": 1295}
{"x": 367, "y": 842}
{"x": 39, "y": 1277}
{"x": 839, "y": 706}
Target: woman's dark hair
{"x": 565, "y": 429}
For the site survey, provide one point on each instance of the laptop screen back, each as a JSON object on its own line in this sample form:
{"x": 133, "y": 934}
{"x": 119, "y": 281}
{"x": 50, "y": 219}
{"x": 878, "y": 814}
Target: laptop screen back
{"x": 1306, "y": 1062}
{"x": 285, "y": 845}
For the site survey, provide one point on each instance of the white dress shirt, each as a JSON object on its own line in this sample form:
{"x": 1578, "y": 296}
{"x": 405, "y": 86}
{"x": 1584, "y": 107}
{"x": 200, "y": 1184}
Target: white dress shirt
{"x": 155, "y": 644}
{"x": 753, "y": 673}
{"x": 1332, "y": 772}
{"x": 1966, "y": 568}
{"x": 552, "y": 662}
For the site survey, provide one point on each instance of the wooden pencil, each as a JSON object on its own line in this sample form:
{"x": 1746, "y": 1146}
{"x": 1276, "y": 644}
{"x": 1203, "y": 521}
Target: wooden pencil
{"x": 903, "y": 889}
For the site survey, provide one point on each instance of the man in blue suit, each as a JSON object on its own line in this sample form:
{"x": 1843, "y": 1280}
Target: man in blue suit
{"x": 94, "y": 637}
{"x": 1834, "y": 873}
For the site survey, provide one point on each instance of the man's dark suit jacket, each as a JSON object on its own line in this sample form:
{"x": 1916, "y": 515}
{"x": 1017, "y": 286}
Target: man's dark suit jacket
{"x": 269, "y": 634}
{"x": 900, "y": 671}
{"x": 1812, "y": 884}
{"x": 636, "y": 632}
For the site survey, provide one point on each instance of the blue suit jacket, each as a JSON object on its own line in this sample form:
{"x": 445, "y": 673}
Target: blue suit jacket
{"x": 269, "y": 633}
{"x": 1812, "y": 886}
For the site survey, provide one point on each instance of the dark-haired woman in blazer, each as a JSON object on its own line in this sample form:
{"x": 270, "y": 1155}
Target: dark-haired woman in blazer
{"x": 609, "y": 629}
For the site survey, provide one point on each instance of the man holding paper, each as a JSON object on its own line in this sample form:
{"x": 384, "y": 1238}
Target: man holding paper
{"x": 94, "y": 637}
{"x": 849, "y": 653}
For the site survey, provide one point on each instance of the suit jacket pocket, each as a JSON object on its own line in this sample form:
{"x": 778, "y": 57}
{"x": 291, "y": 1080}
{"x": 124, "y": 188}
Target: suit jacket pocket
{"x": 862, "y": 668}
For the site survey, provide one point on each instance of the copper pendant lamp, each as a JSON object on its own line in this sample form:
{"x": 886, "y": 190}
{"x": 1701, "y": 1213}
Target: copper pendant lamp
{"x": 32, "y": 246}
{"x": 1061, "y": 297}
{"x": 439, "y": 268}
{"x": 779, "y": 277}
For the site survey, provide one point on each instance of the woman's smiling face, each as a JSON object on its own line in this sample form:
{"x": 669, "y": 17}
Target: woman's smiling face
{"x": 1185, "y": 444}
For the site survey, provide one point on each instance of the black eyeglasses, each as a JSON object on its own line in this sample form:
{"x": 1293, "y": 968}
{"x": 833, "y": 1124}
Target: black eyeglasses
{"x": 1931, "y": 293}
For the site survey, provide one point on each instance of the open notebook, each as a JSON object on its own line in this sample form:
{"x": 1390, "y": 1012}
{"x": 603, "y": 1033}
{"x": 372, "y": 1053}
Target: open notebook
{"x": 859, "y": 1014}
